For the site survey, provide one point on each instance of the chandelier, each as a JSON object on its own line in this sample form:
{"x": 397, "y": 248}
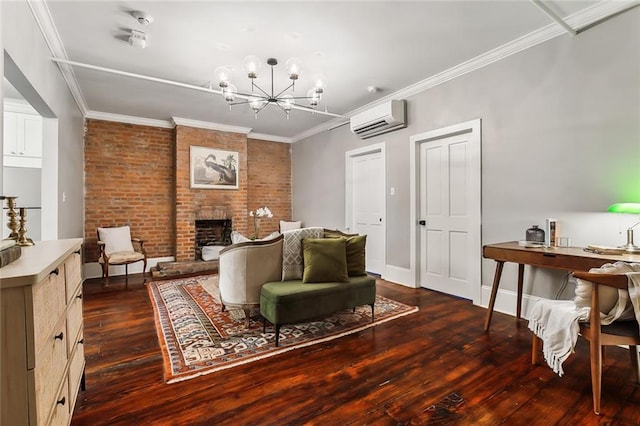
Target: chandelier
{"x": 259, "y": 98}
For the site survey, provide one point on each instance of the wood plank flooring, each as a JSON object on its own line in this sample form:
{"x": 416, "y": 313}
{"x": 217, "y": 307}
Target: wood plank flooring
{"x": 436, "y": 366}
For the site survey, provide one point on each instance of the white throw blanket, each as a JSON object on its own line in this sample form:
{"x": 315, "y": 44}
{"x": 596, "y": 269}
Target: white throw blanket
{"x": 556, "y": 321}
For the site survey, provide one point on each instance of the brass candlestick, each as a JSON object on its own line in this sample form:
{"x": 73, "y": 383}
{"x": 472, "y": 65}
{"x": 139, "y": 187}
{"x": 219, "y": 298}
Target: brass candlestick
{"x": 22, "y": 238}
{"x": 12, "y": 214}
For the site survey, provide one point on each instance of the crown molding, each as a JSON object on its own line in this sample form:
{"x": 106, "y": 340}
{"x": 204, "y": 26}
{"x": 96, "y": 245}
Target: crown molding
{"x": 272, "y": 138}
{"x": 129, "y": 119}
{"x": 328, "y": 125}
{"x": 42, "y": 15}
{"x": 597, "y": 12}
{"x": 578, "y": 20}
{"x": 18, "y": 105}
{"x": 177, "y": 121}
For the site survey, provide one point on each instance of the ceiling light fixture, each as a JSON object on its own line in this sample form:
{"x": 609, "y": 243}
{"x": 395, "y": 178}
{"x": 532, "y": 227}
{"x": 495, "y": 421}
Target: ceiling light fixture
{"x": 142, "y": 17}
{"x": 259, "y": 98}
{"x": 138, "y": 39}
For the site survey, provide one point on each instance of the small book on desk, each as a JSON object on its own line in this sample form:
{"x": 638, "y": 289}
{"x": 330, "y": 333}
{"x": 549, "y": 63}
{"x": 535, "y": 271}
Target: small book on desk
{"x": 604, "y": 249}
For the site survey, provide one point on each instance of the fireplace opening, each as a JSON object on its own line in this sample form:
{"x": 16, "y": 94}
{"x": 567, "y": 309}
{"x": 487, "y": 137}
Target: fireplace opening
{"x": 211, "y": 232}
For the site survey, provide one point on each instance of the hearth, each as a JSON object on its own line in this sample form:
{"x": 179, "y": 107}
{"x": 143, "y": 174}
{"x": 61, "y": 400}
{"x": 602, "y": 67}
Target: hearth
{"x": 211, "y": 232}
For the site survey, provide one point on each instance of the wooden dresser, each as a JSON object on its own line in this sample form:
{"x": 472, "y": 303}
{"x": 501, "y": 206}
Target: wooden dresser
{"x": 41, "y": 346}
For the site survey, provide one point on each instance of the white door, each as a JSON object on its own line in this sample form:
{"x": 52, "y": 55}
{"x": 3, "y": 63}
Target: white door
{"x": 449, "y": 214}
{"x": 366, "y": 204}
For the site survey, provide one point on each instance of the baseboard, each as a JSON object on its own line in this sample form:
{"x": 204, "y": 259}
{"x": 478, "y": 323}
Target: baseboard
{"x": 397, "y": 275}
{"x": 507, "y": 301}
{"x": 94, "y": 270}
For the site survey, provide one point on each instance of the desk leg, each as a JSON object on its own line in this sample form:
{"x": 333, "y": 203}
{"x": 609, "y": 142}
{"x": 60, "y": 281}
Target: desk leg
{"x": 520, "y": 281}
{"x": 494, "y": 292}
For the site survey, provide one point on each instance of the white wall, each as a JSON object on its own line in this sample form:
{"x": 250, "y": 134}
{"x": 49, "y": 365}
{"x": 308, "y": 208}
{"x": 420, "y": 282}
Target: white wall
{"x": 560, "y": 135}
{"x": 28, "y": 67}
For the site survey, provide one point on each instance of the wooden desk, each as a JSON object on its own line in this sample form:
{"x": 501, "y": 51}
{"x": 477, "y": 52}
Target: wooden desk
{"x": 565, "y": 258}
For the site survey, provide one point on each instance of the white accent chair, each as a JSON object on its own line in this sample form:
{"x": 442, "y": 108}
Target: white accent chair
{"x": 244, "y": 268}
{"x": 116, "y": 248}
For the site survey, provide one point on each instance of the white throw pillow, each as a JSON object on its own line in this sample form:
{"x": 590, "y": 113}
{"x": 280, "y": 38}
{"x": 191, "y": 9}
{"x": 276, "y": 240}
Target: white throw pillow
{"x": 271, "y": 236}
{"x": 237, "y": 237}
{"x": 607, "y": 296}
{"x": 290, "y": 226}
{"x": 211, "y": 252}
{"x": 116, "y": 239}
{"x": 614, "y": 303}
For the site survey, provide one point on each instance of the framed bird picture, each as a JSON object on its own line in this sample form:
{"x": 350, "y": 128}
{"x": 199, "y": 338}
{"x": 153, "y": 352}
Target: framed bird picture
{"x": 213, "y": 168}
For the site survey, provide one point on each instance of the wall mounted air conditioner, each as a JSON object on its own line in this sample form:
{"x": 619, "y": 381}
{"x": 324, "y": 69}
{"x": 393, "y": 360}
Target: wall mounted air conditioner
{"x": 383, "y": 118}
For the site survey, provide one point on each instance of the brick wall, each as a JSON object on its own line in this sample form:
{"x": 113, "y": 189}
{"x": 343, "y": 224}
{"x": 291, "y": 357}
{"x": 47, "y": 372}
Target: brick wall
{"x": 190, "y": 201}
{"x": 129, "y": 181}
{"x": 269, "y": 172}
{"x": 139, "y": 175}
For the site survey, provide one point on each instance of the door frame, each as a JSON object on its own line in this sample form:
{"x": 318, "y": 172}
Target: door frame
{"x": 474, "y": 129}
{"x": 348, "y": 191}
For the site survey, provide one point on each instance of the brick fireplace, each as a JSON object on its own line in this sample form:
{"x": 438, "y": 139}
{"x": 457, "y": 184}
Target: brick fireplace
{"x": 125, "y": 185}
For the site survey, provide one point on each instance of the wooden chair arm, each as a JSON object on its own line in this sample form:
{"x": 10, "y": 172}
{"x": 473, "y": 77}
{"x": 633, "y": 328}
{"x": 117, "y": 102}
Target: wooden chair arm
{"x": 141, "y": 242}
{"x": 620, "y": 281}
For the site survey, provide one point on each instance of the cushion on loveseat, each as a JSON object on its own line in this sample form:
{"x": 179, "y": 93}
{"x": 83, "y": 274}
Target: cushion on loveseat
{"x": 325, "y": 260}
{"x": 292, "y": 258}
{"x": 356, "y": 257}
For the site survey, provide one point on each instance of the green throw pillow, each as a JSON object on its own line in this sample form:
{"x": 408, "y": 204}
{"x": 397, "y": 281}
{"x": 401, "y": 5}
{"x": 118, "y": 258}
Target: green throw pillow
{"x": 325, "y": 260}
{"x": 335, "y": 233}
{"x": 356, "y": 260}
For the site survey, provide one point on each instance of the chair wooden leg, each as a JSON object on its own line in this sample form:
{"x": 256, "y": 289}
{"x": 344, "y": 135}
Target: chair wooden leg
{"x": 277, "y": 334}
{"x": 596, "y": 373}
{"x": 635, "y": 363}
{"x": 105, "y": 281}
{"x": 535, "y": 349}
{"x": 223, "y": 307}
{"x": 247, "y": 316}
{"x": 126, "y": 275}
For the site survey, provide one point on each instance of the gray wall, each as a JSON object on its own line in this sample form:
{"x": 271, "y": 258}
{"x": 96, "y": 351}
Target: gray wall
{"x": 42, "y": 84}
{"x": 560, "y": 138}
{"x": 24, "y": 183}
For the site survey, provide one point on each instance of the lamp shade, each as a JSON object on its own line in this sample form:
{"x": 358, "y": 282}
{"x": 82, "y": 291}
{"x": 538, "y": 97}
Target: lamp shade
{"x": 631, "y": 208}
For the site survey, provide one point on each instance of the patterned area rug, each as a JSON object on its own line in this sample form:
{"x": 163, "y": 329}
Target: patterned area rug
{"x": 197, "y": 338}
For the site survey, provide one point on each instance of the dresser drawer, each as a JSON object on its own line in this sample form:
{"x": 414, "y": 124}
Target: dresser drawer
{"x": 74, "y": 320}
{"x": 50, "y": 369}
{"x": 73, "y": 275}
{"x": 61, "y": 411}
{"x": 76, "y": 368}
{"x": 48, "y": 305}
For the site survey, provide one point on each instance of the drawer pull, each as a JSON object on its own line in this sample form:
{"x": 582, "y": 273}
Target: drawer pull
{"x": 81, "y": 341}
{"x": 548, "y": 255}
{"x": 62, "y": 401}
{"x": 59, "y": 336}
{"x": 79, "y": 296}
{"x": 55, "y": 271}
{"x": 77, "y": 252}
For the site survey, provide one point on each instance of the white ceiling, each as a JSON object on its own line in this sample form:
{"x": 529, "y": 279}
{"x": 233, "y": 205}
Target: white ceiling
{"x": 388, "y": 44}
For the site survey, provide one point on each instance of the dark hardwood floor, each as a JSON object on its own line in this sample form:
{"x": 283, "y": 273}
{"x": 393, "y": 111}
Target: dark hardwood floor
{"x": 436, "y": 366}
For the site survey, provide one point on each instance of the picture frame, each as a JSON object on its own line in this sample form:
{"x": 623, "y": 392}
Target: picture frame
{"x": 211, "y": 168}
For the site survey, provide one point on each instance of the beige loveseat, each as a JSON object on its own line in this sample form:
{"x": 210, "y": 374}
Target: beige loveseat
{"x": 244, "y": 268}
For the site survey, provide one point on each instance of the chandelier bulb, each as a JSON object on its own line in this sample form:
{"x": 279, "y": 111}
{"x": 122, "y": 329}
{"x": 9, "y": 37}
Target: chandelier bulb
{"x": 252, "y": 66}
{"x": 222, "y": 75}
{"x": 294, "y": 68}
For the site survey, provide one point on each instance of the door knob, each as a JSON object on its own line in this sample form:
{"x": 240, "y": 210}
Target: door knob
{"x": 423, "y": 223}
